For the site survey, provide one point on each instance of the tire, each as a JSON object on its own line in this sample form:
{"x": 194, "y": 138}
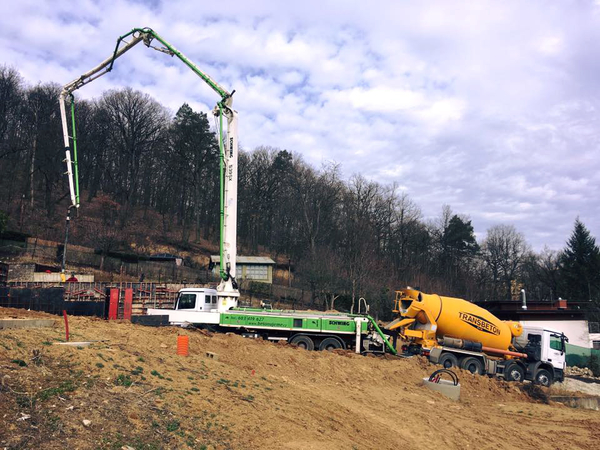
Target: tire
{"x": 473, "y": 365}
{"x": 330, "y": 343}
{"x": 543, "y": 378}
{"x": 514, "y": 372}
{"x": 302, "y": 341}
{"x": 448, "y": 360}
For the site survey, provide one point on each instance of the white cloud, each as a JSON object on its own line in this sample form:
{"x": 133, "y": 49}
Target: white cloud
{"x": 491, "y": 107}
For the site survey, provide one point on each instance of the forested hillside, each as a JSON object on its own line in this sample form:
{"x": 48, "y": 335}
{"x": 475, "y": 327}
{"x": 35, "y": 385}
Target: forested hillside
{"x": 146, "y": 173}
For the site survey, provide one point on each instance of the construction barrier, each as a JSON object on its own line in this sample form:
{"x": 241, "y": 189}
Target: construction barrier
{"x": 580, "y": 356}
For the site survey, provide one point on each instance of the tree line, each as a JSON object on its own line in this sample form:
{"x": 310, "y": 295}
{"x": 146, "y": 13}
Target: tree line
{"x": 345, "y": 238}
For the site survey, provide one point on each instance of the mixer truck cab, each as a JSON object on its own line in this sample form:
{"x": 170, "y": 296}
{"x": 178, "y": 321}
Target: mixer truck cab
{"x": 546, "y": 352}
{"x": 453, "y": 332}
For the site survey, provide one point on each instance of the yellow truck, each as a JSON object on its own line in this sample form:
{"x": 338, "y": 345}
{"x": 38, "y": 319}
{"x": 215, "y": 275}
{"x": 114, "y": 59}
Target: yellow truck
{"x": 453, "y": 332}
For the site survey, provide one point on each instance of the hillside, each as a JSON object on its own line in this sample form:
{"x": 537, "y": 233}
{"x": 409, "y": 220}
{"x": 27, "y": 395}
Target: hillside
{"x": 98, "y": 225}
{"x": 137, "y": 392}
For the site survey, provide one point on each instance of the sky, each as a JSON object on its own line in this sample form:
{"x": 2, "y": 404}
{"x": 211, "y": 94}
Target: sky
{"x": 489, "y": 107}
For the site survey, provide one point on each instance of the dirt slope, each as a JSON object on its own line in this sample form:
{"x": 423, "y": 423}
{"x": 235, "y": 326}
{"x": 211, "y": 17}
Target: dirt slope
{"x": 136, "y": 391}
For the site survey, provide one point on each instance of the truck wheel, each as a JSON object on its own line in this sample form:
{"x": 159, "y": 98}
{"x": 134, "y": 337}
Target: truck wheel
{"x": 448, "y": 360}
{"x": 514, "y": 372}
{"x": 329, "y": 344}
{"x": 543, "y": 378}
{"x": 302, "y": 341}
{"x": 473, "y": 365}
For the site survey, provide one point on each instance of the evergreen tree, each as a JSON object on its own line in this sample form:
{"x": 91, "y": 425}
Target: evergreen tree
{"x": 457, "y": 248}
{"x": 458, "y": 239}
{"x": 580, "y": 267}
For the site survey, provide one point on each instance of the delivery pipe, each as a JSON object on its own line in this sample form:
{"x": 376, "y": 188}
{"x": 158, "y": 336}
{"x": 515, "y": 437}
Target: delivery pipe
{"x": 503, "y": 352}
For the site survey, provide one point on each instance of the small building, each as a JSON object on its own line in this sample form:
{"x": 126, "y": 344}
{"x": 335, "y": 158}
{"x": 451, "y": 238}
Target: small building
{"x": 254, "y": 268}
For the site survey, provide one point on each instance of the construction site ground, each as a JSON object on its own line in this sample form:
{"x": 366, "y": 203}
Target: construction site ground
{"x": 129, "y": 389}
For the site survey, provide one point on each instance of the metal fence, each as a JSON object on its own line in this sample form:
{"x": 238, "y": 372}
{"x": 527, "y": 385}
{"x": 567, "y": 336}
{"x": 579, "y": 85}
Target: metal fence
{"x": 50, "y": 300}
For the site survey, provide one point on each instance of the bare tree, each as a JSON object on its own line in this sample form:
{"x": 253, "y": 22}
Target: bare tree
{"x": 359, "y": 244}
{"x": 504, "y": 249}
{"x": 11, "y": 99}
{"x": 11, "y": 86}
{"x": 103, "y": 231}
{"x": 318, "y": 197}
{"x": 138, "y": 126}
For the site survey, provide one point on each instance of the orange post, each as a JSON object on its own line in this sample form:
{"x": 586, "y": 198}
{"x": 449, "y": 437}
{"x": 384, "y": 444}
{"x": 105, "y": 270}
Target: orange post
{"x": 183, "y": 345}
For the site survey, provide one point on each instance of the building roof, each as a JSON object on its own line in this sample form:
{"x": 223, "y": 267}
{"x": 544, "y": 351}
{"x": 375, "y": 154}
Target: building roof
{"x": 264, "y": 260}
{"x": 536, "y": 310}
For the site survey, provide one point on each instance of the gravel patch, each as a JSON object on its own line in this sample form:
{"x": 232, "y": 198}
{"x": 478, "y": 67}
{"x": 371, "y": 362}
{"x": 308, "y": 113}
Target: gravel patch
{"x": 573, "y": 385}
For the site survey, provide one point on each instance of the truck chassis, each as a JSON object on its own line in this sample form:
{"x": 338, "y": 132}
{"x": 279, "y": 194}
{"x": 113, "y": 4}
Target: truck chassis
{"x": 508, "y": 369}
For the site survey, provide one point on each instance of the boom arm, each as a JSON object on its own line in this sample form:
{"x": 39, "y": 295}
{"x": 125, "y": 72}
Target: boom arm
{"x": 228, "y": 159}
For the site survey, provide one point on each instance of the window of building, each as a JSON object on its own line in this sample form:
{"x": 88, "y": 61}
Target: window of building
{"x": 596, "y": 345}
{"x": 187, "y": 301}
{"x": 257, "y": 272}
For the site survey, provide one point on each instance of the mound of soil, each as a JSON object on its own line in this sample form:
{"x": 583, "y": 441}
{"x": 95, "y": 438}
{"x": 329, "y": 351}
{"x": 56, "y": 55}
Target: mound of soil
{"x": 130, "y": 388}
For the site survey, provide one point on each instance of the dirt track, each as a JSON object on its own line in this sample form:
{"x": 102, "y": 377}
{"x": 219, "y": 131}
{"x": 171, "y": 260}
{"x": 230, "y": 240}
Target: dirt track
{"x": 136, "y": 391}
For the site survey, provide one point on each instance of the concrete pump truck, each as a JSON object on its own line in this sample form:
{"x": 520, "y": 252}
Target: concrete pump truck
{"x": 218, "y": 308}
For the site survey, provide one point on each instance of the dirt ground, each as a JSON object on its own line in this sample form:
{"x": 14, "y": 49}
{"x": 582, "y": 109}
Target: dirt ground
{"x": 135, "y": 391}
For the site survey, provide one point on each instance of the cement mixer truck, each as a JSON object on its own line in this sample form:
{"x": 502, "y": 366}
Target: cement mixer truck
{"x": 456, "y": 333}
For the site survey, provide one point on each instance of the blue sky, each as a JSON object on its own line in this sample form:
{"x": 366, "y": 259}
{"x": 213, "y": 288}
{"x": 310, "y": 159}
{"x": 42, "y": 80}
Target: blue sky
{"x": 489, "y": 107}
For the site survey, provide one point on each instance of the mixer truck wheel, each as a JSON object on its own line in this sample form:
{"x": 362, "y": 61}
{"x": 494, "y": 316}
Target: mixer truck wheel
{"x": 448, "y": 360}
{"x": 543, "y": 378}
{"x": 302, "y": 341}
{"x": 514, "y": 372}
{"x": 330, "y": 343}
{"x": 473, "y": 365}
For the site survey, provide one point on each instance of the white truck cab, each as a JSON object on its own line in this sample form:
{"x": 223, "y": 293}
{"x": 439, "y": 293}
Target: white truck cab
{"x": 547, "y": 348}
{"x": 193, "y": 305}
{"x": 197, "y": 299}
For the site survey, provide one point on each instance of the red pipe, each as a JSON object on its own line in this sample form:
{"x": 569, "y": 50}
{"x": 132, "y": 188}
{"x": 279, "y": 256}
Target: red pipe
{"x": 66, "y": 324}
{"x": 503, "y": 352}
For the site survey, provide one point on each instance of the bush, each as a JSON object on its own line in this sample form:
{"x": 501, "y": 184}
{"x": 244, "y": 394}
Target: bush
{"x": 259, "y": 288}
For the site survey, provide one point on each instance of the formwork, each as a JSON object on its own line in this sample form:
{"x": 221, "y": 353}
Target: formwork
{"x": 92, "y": 299}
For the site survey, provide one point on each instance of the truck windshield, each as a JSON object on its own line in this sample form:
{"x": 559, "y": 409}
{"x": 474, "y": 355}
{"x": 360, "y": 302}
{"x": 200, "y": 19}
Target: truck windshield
{"x": 187, "y": 301}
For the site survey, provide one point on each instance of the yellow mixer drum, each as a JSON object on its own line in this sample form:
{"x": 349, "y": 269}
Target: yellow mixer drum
{"x": 460, "y": 319}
